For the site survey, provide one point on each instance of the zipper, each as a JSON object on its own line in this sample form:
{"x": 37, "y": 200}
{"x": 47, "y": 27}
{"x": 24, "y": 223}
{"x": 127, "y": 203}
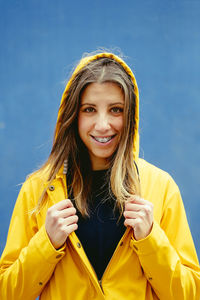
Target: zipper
{"x": 100, "y": 283}
{"x": 116, "y": 249}
{"x": 108, "y": 265}
{"x": 97, "y": 280}
{"x": 64, "y": 183}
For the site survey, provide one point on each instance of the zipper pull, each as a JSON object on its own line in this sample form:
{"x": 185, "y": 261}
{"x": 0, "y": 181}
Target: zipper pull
{"x": 100, "y": 283}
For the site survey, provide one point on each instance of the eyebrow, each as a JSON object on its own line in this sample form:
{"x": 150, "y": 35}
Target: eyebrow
{"x": 115, "y": 103}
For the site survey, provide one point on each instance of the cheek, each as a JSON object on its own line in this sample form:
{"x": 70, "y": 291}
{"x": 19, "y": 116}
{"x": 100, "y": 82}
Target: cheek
{"x": 119, "y": 124}
{"x": 83, "y": 125}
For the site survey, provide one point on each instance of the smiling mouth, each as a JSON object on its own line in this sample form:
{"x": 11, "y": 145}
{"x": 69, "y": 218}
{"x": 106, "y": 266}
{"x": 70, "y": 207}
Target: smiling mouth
{"x": 103, "y": 139}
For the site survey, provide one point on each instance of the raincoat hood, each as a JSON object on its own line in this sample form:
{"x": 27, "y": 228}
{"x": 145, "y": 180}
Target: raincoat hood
{"x": 86, "y": 60}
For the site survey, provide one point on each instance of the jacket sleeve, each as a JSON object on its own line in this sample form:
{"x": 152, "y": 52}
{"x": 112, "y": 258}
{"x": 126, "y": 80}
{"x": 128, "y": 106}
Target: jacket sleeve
{"x": 168, "y": 255}
{"x": 29, "y": 258}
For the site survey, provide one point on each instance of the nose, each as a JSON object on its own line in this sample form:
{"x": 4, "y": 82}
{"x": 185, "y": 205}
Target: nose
{"x": 102, "y": 123}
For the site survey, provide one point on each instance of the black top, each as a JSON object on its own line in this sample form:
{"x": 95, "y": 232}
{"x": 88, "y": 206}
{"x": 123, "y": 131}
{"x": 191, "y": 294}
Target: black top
{"x": 101, "y": 232}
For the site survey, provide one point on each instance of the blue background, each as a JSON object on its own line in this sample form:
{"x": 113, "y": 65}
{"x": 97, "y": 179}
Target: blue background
{"x": 40, "y": 41}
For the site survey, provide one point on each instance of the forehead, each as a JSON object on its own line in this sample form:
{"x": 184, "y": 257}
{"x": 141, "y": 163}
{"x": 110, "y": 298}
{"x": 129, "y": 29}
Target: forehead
{"x": 109, "y": 91}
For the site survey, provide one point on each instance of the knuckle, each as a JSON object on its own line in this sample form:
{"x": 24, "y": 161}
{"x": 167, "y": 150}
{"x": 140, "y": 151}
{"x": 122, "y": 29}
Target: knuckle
{"x": 142, "y": 213}
{"x": 147, "y": 209}
{"x": 69, "y": 220}
{"x": 68, "y": 202}
{"x": 74, "y": 219}
{"x": 49, "y": 211}
{"x": 138, "y": 222}
{"x": 60, "y": 222}
{"x": 72, "y": 210}
{"x": 51, "y": 214}
{"x": 54, "y": 215}
{"x": 126, "y": 222}
{"x": 64, "y": 230}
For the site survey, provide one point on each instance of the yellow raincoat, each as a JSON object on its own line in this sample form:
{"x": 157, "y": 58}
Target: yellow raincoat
{"x": 164, "y": 265}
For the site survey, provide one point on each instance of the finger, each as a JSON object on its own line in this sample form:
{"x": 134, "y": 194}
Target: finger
{"x": 136, "y": 207}
{"x": 131, "y": 214}
{"x": 138, "y": 200}
{"x": 132, "y": 206}
{"x": 67, "y": 229}
{"x": 146, "y": 212}
{"x": 62, "y": 204}
{"x": 65, "y": 213}
{"x": 70, "y": 220}
{"x": 132, "y": 222}
{"x": 71, "y": 228}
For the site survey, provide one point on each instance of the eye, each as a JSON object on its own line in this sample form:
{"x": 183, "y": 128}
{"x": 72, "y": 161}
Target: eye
{"x": 117, "y": 110}
{"x": 88, "y": 109}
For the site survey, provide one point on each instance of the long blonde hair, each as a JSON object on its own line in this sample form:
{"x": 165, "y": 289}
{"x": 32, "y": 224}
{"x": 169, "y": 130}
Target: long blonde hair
{"x": 67, "y": 145}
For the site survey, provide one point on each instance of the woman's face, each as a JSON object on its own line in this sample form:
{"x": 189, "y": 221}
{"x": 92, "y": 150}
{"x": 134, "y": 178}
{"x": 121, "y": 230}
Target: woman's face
{"x": 100, "y": 121}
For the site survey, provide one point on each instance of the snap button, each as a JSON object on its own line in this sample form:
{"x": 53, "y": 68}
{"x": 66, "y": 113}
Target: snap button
{"x": 52, "y": 188}
{"x": 40, "y": 283}
{"x": 150, "y": 278}
{"x": 58, "y": 256}
{"x": 136, "y": 248}
{"x": 78, "y": 245}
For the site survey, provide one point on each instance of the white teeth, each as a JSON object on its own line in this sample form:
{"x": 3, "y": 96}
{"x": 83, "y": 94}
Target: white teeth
{"x": 103, "y": 139}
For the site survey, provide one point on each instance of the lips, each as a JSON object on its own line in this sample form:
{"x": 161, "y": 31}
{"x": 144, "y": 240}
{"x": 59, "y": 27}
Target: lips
{"x": 103, "y": 140}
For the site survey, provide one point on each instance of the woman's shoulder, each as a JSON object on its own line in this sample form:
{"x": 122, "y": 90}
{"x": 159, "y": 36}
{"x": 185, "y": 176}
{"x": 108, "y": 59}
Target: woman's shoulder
{"x": 144, "y": 165}
{"x": 158, "y": 184}
{"x": 151, "y": 173}
{"x": 37, "y": 179}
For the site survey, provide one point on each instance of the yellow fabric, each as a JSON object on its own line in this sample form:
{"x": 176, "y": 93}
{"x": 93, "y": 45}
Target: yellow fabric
{"x": 164, "y": 265}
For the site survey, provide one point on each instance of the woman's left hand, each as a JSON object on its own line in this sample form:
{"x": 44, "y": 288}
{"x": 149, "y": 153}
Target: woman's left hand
{"x": 138, "y": 214}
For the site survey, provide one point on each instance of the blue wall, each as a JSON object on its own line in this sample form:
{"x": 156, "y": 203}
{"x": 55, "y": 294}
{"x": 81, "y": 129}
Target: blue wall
{"x": 41, "y": 41}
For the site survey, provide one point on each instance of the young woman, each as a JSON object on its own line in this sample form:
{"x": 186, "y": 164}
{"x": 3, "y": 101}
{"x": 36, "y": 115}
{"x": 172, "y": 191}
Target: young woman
{"x": 96, "y": 221}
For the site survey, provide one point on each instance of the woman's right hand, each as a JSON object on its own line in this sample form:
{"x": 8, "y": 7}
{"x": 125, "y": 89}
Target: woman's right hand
{"x": 61, "y": 220}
